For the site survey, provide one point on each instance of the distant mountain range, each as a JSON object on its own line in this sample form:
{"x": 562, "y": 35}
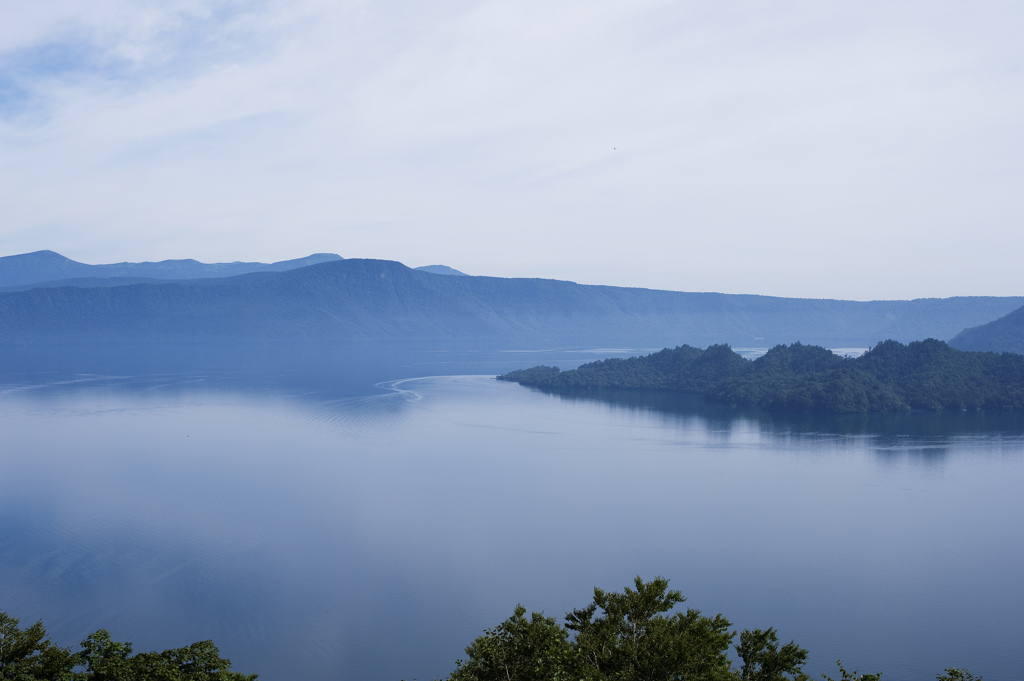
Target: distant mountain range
{"x": 1005, "y": 334}
{"x": 48, "y": 266}
{"x": 375, "y": 300}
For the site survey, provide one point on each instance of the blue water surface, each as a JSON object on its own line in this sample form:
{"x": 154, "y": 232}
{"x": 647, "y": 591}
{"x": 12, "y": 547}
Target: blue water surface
{"x": 363, "y": 512}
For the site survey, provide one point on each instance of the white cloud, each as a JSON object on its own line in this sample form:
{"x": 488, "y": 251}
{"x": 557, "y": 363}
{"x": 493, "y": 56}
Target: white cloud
{"x": 819, "y": 149}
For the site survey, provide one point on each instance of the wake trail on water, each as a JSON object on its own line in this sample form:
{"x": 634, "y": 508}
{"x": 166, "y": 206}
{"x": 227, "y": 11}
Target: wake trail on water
{"x": 368, "y": 415}
{"x": 373, "y": 415}
{"x": 79, "y": 381}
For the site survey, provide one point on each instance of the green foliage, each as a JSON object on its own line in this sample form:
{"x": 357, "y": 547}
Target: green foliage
{"x": 627, "y": 636}
{"x": 890, "y": 377}
{"x": 534, "y": 649}
{"x": 683, "y": 368}
{"x": 957, "y": 674}
{"x": 27, "y": 655}
{"x": 638, "y": 635}
{"x": 107, "y": 660}
{"x": 852, "y": 676}
{"x": 763, "y": 660}
{"x": 532, "y": 376}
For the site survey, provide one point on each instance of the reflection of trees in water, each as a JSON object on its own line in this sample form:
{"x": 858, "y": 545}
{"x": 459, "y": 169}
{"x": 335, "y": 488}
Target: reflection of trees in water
{"x": 916, "y": 429}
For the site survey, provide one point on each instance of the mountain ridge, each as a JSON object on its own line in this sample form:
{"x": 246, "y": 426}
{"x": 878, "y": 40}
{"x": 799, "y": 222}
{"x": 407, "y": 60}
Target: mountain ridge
{"x": 361, "y": 299}
{"x": 49, "y": 267}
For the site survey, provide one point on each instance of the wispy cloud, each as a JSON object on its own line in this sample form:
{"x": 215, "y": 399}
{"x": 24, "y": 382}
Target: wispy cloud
{"x": 854, "y": 149}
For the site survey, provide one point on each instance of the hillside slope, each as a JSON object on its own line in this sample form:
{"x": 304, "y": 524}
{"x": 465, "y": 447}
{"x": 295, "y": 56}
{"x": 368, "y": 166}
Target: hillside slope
{"x": 1005, "y": 334}
{"x": 378, "y": 300}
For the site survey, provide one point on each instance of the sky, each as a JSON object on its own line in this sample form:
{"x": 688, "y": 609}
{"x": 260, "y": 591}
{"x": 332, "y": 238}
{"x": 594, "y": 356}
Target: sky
{"x": 844, "y": 149}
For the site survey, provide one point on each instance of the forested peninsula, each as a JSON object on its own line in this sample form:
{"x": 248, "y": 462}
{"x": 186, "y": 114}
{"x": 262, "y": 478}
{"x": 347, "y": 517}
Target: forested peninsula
{"x": 890, "y": 377}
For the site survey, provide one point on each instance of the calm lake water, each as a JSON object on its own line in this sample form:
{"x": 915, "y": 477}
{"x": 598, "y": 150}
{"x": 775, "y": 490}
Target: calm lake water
{"x": 365, "y": 513}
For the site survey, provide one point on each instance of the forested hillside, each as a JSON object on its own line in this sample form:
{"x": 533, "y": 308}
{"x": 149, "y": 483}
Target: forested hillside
{"x": 890, "y": 377}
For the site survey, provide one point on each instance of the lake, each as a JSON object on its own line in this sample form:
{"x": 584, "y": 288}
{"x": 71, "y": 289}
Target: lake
{"x": 363, "y": 513}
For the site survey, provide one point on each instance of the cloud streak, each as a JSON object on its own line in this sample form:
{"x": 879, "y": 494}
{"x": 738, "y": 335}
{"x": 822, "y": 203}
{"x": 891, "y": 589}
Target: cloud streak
{"x": 856, "y": 150}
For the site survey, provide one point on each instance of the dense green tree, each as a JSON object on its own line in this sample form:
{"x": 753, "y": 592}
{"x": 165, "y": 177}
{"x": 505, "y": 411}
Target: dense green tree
{"x": 763, "y": 660}
{"x": 27, "y": 655}
{"x": 628, "y": 636}
{"x": 638, "y": 635}
{"x": 105, "y": 659}
{"x": 534, "y": 649}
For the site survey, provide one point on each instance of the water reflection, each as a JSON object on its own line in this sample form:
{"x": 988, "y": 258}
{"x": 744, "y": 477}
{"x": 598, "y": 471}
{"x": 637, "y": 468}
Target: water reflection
{"x": 325, "y": 374}
{"x": 321, "y": 372}
{"x": 322, "y": 516}
{"x": 886, "y": 429}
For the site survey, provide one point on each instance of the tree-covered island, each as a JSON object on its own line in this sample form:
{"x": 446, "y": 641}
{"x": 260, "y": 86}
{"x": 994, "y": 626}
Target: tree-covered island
{"x": 890, "y": 377}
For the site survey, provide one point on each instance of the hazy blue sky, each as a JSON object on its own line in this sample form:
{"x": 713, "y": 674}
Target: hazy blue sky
{"x": 868, "y": 149}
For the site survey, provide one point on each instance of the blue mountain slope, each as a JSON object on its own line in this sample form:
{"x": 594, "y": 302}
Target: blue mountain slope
{"x": 48, "y": 266}
{"x": 1005, "y": 334}
{"x": 384, "y": 300}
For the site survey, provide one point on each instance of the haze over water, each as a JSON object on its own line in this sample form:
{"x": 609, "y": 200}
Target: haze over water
{"x": 364, "y": 513}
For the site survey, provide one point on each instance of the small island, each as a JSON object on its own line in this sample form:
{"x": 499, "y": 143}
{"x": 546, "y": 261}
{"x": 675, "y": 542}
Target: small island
{"x": 890, "y": 377}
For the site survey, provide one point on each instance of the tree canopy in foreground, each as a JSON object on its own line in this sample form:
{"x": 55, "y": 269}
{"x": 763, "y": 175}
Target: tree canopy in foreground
{"x": 637, "y": 635}
{"x": 890, "y": 377}
{"x": 28, "y": 655}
